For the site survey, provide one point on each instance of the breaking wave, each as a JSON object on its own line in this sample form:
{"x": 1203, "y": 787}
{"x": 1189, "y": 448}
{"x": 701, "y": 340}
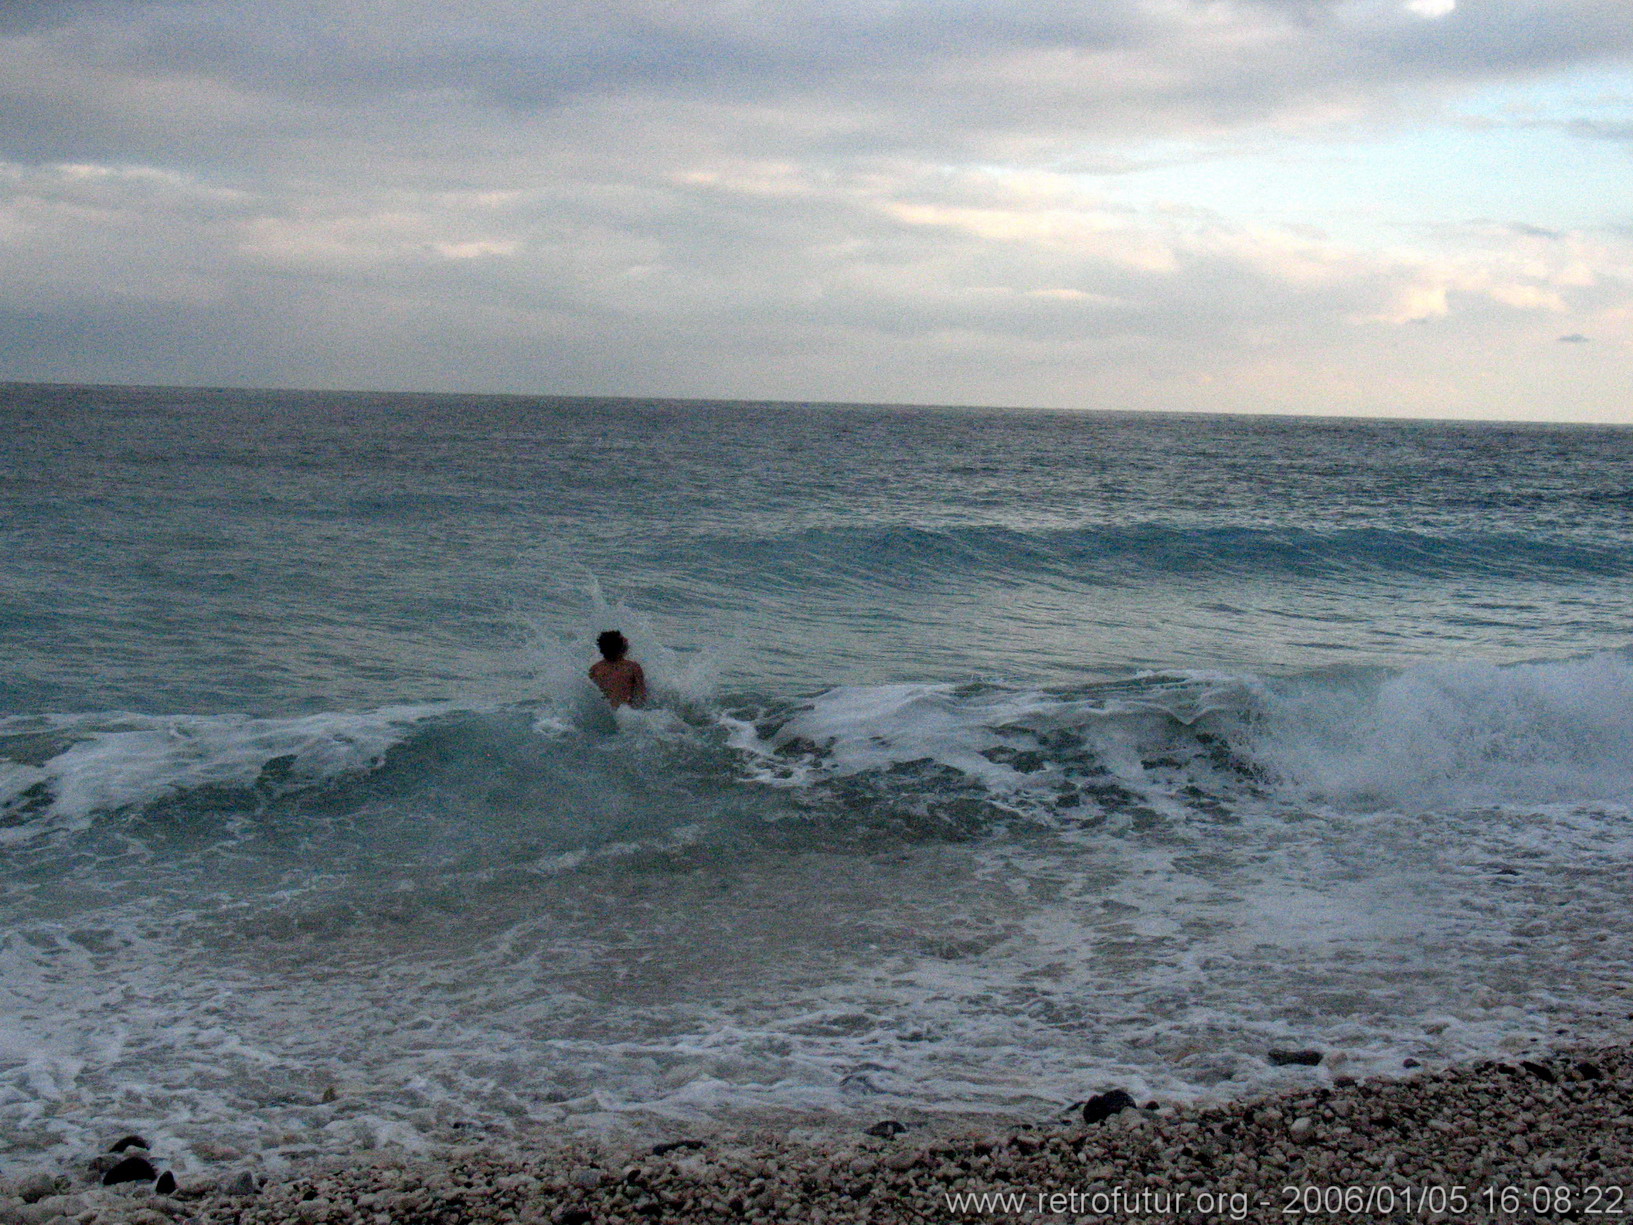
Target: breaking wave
{"x": 957, "y": 758}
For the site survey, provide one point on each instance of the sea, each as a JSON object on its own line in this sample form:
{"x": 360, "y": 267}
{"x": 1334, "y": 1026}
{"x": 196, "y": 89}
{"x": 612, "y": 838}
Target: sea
{"x": 995, "y": 758}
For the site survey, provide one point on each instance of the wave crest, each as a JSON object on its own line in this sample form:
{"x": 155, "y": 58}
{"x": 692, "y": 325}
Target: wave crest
{"x": 944, "y": 760}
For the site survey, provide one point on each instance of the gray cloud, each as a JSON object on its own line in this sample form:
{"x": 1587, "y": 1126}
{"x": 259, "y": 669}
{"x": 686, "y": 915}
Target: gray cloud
{"x": 645, "y": 197}
{"x": 919, "y": 74}
{"x": 1600, "y": 129}
{"x": 23, "y": 16}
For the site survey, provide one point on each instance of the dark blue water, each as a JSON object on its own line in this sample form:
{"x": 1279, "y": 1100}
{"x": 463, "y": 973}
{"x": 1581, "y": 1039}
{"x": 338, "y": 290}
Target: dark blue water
{"x": 996, "y": 755}
{"x": 225, "y": 551}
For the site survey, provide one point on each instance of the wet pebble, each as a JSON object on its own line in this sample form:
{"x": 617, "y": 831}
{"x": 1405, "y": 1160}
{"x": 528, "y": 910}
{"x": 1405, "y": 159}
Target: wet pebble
{"x": 131, "y": 1169}
{"x": 1104, "y": 1105}
{"x": 1482, "y": 1126}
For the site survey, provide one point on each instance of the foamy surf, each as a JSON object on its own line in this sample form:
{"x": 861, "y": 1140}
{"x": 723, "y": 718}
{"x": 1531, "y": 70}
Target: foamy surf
{"x": 904, "y": 898}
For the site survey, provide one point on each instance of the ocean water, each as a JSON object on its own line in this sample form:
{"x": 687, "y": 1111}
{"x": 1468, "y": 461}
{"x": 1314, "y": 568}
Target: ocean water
{"x": 996, "y": 758}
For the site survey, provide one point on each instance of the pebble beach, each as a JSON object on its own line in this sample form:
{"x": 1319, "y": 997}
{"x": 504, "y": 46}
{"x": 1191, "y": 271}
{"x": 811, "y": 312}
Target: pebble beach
{"x": 1548, "y": 1138}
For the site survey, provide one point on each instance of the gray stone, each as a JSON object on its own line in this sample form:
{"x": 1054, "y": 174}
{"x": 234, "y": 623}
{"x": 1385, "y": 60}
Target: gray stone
{"x": 31, "y": 1188}
{"x": 243, "y": 1184}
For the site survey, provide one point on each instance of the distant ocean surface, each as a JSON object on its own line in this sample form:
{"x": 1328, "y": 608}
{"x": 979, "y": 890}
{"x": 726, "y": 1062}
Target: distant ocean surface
{"x": 997, "y": 758}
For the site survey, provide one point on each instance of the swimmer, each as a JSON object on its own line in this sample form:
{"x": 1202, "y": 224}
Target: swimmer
{"x": 620, "y": 680}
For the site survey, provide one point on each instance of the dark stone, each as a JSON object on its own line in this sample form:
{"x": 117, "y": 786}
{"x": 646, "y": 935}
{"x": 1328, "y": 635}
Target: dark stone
{"x": 1303, "y": 1058}
{"x": 243, "y": 1184}
{"x": 1102, "y": 1106}
{"x": 1153, "y": 1104}
{"x": 574, "y": 1216}
{"x": 1589, "y": 1071}
{"x": 674, "y": 1146}
{"x": 129, "y": 1142}
{"x": 1410, "y": 1063}
{"x": 131, "y": 1169}
{"x": 1540, "y": 1070}
{"x": 166, "y": 1184}
{"x": 887, "y": 1129}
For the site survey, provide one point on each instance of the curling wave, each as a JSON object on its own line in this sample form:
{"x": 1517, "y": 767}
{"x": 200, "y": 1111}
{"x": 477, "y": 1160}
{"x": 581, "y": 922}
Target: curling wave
{"x": 950, "y": 760}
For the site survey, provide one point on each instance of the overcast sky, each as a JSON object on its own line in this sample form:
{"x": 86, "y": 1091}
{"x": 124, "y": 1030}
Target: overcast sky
{"x": 1403, "y": 207}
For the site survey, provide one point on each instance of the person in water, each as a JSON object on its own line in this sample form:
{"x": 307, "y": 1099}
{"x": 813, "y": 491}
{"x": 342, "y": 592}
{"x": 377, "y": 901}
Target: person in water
{"x": 620, "y": 680}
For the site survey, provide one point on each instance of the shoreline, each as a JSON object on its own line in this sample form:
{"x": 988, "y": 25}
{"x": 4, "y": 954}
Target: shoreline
{"x": 1544, "y": 1138}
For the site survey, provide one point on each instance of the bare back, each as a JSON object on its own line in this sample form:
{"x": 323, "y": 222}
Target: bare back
{"x": 620, "y": 680}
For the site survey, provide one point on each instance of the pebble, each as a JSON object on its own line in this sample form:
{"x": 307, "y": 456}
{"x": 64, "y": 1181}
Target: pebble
{"x": 1458, "y": 1126}
{"x": 131, "y": 1169}
{"x": 33, "y": 1187}
{"x": 1299, "y": 1058}
{"x": 242, "y": 1184}
{"x": 1104, "y": 1105}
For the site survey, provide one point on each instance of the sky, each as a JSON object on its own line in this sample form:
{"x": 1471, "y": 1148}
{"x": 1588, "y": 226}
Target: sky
{"x": 1339, "y": 207}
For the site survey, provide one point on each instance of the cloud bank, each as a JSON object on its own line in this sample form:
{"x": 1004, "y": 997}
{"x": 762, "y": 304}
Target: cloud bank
{"x": 917, "y": 201}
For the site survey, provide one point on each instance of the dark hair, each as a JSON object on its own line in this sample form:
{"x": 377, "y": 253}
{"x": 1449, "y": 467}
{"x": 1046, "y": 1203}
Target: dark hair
{"x": 612, "y": 644}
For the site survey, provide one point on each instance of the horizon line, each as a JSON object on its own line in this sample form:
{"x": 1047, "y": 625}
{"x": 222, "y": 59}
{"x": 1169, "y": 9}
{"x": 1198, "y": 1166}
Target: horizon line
{"x": 893, "y": 405}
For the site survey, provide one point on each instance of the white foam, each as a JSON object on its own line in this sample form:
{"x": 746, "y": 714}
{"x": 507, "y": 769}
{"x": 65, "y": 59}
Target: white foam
{"x": 123, "y": 760}
{"x": 1007, "y": 979}
{"x": 560, "y": 657}
{"x": 1007, "y": 975}
{"x": 858, "y": 729}
{"x": 1458, "y": 735}
{"x": 874, "y": 727}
